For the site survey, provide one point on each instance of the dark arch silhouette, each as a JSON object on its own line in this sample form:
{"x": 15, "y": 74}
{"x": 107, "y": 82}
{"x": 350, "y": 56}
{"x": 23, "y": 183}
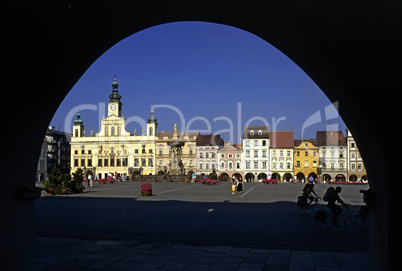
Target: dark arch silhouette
{"x": 351, "y": 49}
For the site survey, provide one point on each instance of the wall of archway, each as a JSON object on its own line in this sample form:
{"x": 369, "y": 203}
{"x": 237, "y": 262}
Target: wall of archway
{"x": 349, "y": 49}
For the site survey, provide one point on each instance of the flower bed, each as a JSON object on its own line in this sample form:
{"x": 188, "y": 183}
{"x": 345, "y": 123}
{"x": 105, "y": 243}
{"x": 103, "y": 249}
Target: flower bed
{"x": 346, "y": 183}
{"x": 106, "y": 180}
{"x": 270, "y": 181}
{"x": 208, "y": 181}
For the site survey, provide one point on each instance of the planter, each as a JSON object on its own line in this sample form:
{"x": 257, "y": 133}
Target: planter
{"x": 146, "y": 193}
{"x": 64, "y": 191}
{"x": 50, "y": 190}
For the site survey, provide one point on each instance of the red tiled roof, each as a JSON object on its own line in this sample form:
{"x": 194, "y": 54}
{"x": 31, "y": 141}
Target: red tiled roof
{"x": 331, "y": 138}
{"x": 209, "y": 140}
{"x": 281, "y": 139}
{"x": 264, "y": 132}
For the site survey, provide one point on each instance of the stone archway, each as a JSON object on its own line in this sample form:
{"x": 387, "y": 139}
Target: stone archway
{"x": 315, "y": 43}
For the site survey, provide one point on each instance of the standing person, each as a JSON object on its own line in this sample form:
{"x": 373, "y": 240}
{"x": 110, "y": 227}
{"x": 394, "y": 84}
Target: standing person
{"x": 240, "y": 185}
{"x": 193, "y": 177}
{"x": 90, "y": 181}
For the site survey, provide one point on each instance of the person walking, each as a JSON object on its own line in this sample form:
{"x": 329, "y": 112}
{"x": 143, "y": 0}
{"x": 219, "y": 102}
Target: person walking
{"x": 240, "y": 185}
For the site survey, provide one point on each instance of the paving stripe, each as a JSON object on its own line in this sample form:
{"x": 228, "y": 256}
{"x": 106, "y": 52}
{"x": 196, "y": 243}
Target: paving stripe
{"x": 249, "y": 190}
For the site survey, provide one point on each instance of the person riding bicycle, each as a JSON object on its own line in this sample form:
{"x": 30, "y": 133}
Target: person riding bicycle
{"x": 332, "y": 196}
{"x": 308, "y": 190}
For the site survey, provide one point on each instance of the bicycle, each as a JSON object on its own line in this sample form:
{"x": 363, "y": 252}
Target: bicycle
{"x": 303, "y": 207}
{"x": 351, "y": 221}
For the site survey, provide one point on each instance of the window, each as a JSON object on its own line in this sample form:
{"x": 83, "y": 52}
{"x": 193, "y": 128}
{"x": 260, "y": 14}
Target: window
{"x": 160, "y": 163}
{"x": 112, "y": 131}
{"x": 264, "y": 143}
{"x": 118, "y": 162}
{"x": 206, "y": 166}
{"x": 143, "y": 151}
{"x": 200, "y": 166}
{"x": 264, "y": 165}
{"x": 76, "y": 162}
{"x": 150, "y": 162}
{"x": 112, "y": 161}
{"x": 273, "y": 152}
{"x": 264, "y": 153}
{"x": 143, "y": 162}
{"x": 281, "y": 153}
{"x": 136, "y": 151}
{"x": 314, "y": 153}
{"x": 160, "y": 151}
{"x": 76, "y": 132}
{"x": 190, "y": 163}
{"x": 191, "y": 150}
{"x": 207, "y": 155}
{"x": 222, "y": 156}
{"x": 255, "y": 142}
{"x": 125, "y": 162}
{"x": 259, "y": 132}
{"x": 306, "y": 153}
{"x": 213, "y": 165}
{"x": 230, "y": 165}
{"x": 298, "y": 153}
{"x": 106, "y": 162}
{"x": 247, "y": 153}
{"x": 212, "y": 155}
{"x": 288, "y": 165}
{"x": 136, "y": 162}
{"x": 150, "y": 151}
{"x": 106, "y": 131}
{"x": 305, "y": 163}
{"x": 255, "y": 164}
{"x": 82, "y": 162}
{"x": 251, "y": 132}
{"x": 89, "y": 162}
{"x": 247, "y": 165}
{"x": 230, "y": 155}
{"x": 201, "y": 155}
{"x": 288, "y": 153}
{"x": 238, "y": 165}
{"x": 89, "y": 152}
{"x": 76, "y": 152}
{"x": 99, "y": 162}
{"x": 82, "y": 151}
{"x": 332, "y": 154}
{"x": 247, "y": 143}
{"x": 151, "y": 131}
{"x": 297, "y": 163}
{"x": 255, "y": 153}
{"x": 118, "y": 130}
{"x": 274, "y": 165}
{"x": 314, "y": 163}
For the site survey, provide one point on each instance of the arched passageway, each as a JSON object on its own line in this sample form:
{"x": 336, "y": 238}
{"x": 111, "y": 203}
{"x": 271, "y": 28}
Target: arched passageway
{"x": 339, "y": 55}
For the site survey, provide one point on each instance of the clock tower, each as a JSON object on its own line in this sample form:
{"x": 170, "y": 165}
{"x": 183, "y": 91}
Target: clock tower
{"x": 115, "y": 105}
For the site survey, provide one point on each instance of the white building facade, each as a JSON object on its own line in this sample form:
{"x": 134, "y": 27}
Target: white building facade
{"x": 255, "y": 155}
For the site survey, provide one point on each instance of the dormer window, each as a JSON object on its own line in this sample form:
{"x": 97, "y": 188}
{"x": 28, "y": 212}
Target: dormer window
{"x": 251, "y": 132}
{"x": 259, "y": 132}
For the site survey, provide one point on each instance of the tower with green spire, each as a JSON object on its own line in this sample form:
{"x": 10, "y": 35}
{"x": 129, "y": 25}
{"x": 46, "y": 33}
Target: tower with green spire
{"x": 78, "y": 126}
{"x": 114, "y": 104}
{"x": 152, "y": 124}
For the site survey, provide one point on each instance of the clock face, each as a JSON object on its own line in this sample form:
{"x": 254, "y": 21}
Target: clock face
{"x": 112, "y": 107}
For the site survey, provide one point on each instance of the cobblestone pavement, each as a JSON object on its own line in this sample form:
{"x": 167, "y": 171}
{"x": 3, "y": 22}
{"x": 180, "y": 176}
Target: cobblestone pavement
{"x": 75, "y": 254}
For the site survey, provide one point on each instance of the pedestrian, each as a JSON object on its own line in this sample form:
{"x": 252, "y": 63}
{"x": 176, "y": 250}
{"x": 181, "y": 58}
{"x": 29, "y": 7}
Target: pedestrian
{"x": 90, "y": 181}
{"x": 233, "y": 188}
{"x": 240, "y": 185}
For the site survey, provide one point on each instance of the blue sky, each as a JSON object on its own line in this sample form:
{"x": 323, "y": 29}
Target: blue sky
{"x": 217, "y": 77}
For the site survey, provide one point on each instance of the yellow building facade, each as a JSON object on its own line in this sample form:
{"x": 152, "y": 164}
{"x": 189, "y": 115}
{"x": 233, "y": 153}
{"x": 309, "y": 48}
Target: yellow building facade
{"x": 113, "y": 149}
{"x": 306, "y": 160}
{"x": 164, "y": 155}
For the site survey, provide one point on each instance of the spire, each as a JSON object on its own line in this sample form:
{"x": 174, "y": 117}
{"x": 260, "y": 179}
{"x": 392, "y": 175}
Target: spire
{"x": 115, "y": 96}
{"x": 78, "y": 120}
{"x": 152, "y": 118}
